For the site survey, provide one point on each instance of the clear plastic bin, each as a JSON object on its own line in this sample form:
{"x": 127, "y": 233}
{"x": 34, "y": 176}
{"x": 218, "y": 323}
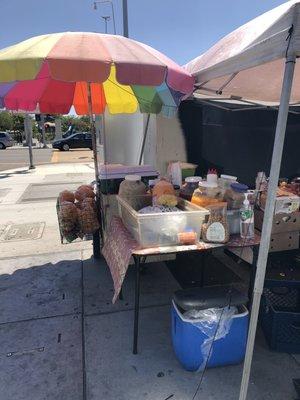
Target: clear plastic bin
{"x": 160, "y": 229}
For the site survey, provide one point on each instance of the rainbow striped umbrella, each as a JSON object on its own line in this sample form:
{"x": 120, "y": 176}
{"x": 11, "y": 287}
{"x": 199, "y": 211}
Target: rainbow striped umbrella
{"x": 51, "y": 73}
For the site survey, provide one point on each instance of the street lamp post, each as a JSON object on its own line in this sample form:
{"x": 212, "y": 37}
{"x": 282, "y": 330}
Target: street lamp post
{"x": 112, "y": 11}
{"x": 28, "y": 132}
{"x": 125, "y": 19}
{"x": 106, "y": 18}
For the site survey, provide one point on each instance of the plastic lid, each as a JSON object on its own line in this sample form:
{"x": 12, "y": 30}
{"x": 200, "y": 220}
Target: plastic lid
{"x": 212, "y": 179}
{"x": 239, "y": 187}
{"x": 133, "y": 178}
{"x": 193, "y": 179}
{"x": 229, "y": 177}
{"x": 206, "y": 184}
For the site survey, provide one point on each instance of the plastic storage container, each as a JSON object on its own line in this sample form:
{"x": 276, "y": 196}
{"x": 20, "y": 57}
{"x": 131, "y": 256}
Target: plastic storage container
{"x": 111, "y": 175}
{"x": 188, "y": 340}
{"x": 206, "y": 194}
{"x": 234, "y": 196}
{"x": 226, "y": 180}
{"x": 190, "y": 185}
{"x": 160, "y": 229}
{"x": 280, "y": 316}
{"x": 233, "y": 219}
{"x": 132, "y": 186}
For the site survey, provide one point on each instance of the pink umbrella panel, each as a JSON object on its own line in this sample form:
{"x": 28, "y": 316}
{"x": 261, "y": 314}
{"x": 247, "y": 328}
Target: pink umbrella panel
{"x": 124, "y": 74}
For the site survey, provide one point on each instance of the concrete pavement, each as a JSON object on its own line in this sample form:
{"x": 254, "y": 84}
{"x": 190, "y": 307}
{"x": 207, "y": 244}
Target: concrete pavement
{"x": 17, "y": 157}
{"x": 62, "y": 338}
{"x": 29, "y": 197}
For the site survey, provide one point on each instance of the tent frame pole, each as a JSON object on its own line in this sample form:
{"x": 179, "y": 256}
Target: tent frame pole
{"x": 268, "y": 217}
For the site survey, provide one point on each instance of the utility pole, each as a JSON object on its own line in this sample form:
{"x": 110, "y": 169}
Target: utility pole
{"x": 125, "y": 19}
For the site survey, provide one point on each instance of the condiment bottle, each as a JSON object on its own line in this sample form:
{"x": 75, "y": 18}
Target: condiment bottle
{"x": 247, "y": 219}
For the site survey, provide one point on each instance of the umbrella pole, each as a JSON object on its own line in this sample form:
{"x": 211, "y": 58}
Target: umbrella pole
{"x": 98, "y": 233}
{"x": 144, "y": 140}
{"x": 268, "y": 218}
{"x": 93, "y": 132}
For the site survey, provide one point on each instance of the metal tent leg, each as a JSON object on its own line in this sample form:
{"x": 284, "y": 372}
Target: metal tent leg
{"x": 268, "y": 218}
{"x": 137, "y": 303}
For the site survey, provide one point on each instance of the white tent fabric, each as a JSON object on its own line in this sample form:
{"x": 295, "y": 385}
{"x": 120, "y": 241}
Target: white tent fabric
{"x": 257, "y": 62}
{"x": 249, "y": 62}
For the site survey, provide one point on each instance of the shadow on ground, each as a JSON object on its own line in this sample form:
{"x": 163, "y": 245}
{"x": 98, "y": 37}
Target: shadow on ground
{"x": 61, "y": 338}
{"x": 4, "y": 175}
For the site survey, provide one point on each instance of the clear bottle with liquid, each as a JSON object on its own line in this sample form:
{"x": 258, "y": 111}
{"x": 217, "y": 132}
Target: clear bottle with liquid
{"x": 247, "y": 219}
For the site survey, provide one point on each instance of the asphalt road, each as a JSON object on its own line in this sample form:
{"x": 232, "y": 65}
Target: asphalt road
{"x": 17, "y": 158}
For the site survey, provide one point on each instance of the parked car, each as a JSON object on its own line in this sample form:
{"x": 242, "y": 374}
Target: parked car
{"x": 5, "y": 140}
{"x": 78, "y": 140}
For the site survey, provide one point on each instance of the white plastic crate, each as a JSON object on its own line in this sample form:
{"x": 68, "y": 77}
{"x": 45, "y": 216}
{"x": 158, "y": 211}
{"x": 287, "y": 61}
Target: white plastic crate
{"x": 160, "y": 229}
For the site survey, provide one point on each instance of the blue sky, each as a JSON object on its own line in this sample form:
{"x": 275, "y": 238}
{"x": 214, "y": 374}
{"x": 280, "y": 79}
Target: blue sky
{"x": 182, "y": 29}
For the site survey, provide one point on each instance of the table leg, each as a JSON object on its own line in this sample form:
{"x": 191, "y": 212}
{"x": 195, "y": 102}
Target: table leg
{"x": 136, "y": 304}
{"x": 252, "y": 275}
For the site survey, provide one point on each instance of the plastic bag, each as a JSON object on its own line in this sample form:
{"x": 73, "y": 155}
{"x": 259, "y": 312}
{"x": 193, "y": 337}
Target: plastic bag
{"x": 215, "y": 323}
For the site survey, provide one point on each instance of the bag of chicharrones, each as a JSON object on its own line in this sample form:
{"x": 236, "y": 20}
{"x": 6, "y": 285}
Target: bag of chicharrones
{"x": 83, "y": 192}
{"x": 88, "y": 219}
{"x": 68, "y": 216}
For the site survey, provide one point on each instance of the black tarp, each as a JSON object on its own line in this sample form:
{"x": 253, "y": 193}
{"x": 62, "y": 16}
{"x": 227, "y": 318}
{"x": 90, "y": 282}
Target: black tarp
{"x": 237, "y": 143}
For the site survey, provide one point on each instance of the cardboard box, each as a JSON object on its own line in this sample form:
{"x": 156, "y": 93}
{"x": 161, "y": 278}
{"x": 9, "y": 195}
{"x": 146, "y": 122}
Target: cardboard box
{"x": 283, "y": 222}
{"x": 284, "y": 204}
{"x": 284, "y": 241}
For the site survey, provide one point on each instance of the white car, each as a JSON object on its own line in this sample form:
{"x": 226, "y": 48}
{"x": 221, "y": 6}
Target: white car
{"x": 5, "y": 140}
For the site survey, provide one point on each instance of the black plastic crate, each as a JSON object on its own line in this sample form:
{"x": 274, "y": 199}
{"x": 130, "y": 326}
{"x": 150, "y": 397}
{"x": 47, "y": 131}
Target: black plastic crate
{"x": 280, "y": 317}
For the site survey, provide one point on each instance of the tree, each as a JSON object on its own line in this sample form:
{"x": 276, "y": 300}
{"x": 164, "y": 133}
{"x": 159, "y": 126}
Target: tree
{"x": 6, "y": 121}
{"x": 18, "y": 122}
{"x": 80, "y": 124}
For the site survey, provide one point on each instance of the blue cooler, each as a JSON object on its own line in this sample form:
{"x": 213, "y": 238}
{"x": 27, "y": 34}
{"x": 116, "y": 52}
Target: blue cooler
{"x": 192, "y": 345}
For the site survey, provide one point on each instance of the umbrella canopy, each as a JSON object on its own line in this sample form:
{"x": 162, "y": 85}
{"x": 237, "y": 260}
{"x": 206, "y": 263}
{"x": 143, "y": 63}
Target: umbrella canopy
{"x": 249, "y": 62}
{"x": 50, "y": 73}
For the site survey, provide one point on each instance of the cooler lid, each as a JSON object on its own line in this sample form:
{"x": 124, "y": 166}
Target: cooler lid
{"x": 209, "y": 297}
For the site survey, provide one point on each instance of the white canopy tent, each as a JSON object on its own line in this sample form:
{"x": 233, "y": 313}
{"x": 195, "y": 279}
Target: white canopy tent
{"x": 257, "y": 63}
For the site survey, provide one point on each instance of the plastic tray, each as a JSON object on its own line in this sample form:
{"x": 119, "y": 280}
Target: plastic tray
{"x": 160, "y": 229}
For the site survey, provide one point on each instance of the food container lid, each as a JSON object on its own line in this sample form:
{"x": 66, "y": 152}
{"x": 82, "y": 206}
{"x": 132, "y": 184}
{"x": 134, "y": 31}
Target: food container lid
{"x": 206, "y": 184}
{"x": 229, "y": 177}
{"x": 239, "y": 187}
{"x": 133, "y": 178}
{"x": 193, "y": 179}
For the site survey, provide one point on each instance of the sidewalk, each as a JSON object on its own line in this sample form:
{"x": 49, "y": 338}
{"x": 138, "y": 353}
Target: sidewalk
{"x": 61, "y": 337}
